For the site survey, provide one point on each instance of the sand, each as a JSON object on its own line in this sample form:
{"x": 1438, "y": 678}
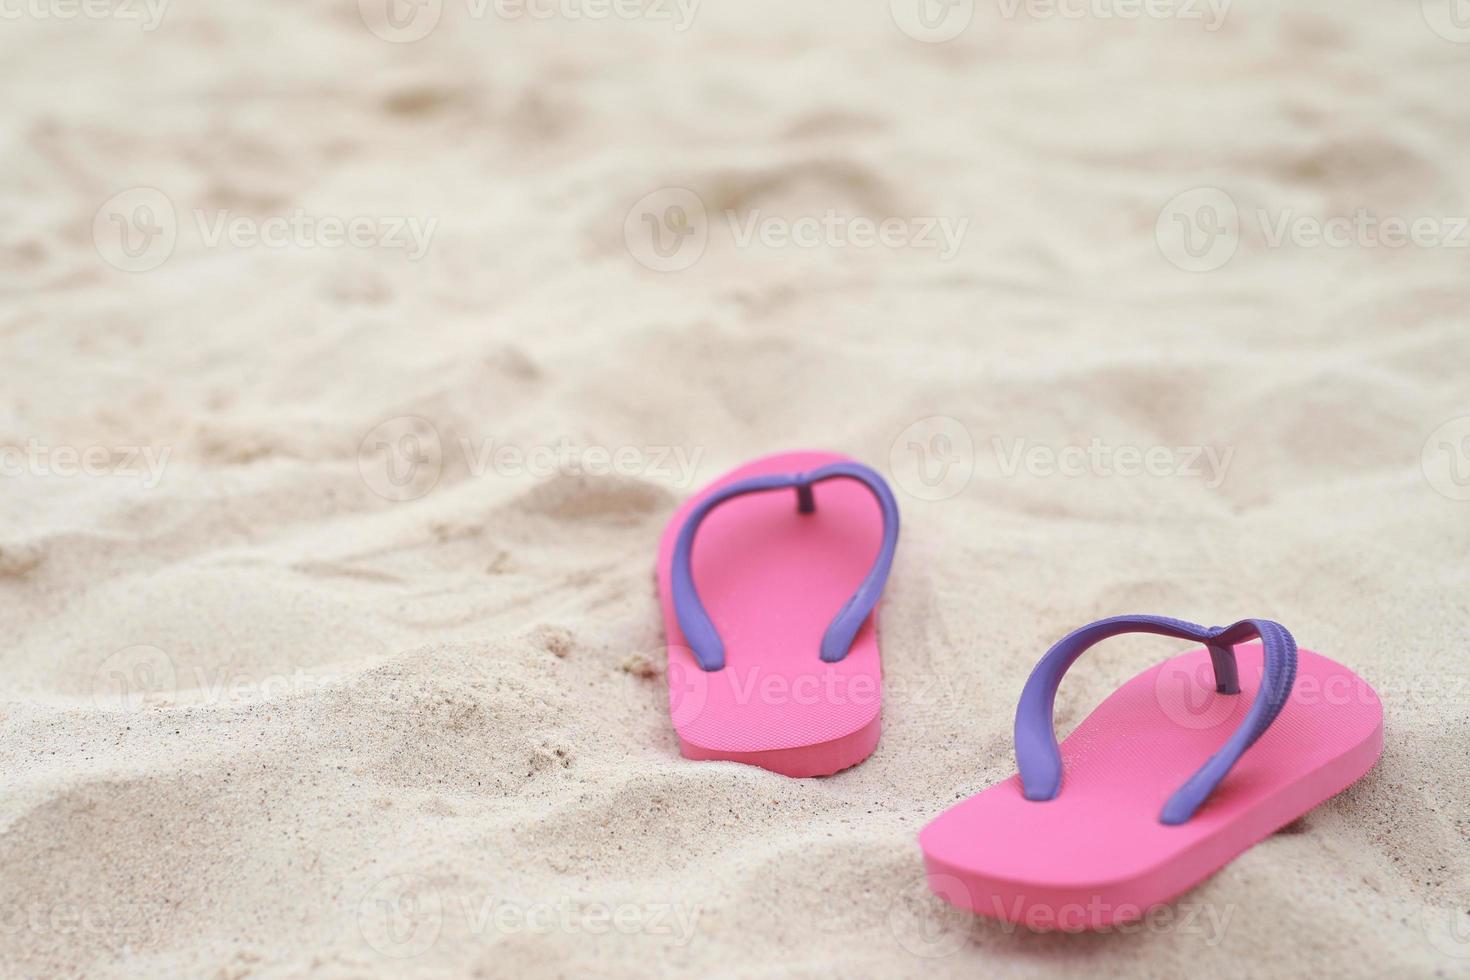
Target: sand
{"x": 348, "y": 390}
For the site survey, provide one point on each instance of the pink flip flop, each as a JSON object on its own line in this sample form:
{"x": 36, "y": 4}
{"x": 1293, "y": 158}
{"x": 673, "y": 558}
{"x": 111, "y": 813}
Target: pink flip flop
{"x": 773, "y": 646}
{"x": 1152, "y": 803}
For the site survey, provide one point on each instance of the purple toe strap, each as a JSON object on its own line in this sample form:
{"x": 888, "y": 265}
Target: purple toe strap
{"x": 1040, "y": 761}
{"x": 700, "y": 632}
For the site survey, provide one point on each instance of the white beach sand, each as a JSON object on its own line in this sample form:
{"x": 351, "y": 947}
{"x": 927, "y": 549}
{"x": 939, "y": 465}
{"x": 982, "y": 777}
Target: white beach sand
{"x": 266, "y": 712}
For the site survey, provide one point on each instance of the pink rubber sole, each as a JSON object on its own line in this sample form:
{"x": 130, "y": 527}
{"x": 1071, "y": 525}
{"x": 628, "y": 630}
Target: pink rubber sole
{"x": 771, "y": 580}
{"x": 1097, "y": 854}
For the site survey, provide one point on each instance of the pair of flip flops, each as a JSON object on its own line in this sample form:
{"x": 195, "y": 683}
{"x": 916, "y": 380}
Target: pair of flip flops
{"x": 770, "y": 579}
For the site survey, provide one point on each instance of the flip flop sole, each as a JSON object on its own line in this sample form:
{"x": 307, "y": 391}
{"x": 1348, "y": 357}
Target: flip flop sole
{"x": 1097, "y": 854}
{"x": 771, "y": 580}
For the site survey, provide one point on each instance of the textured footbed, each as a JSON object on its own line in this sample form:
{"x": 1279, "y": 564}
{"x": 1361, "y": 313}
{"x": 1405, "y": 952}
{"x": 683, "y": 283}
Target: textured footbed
{"x": 771, "y": 580}
{"x": 1097, "y": 853}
